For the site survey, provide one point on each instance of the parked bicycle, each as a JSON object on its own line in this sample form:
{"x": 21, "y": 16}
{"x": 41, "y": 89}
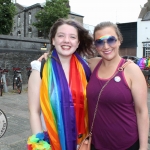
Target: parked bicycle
{"x": 17, "y": 79}
{"x": 2, "y": 80}
{"x": 28, "y": 71}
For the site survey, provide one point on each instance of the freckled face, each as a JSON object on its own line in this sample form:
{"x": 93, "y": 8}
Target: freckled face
{"x": 66, "y": 40}
{"x": 108, "y": 51}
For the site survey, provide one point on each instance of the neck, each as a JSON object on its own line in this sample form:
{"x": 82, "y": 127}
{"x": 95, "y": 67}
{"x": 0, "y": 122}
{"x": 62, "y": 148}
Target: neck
{"x": 65, "y": 62}
{"x": 109, "y": 63}
{"x": 65, "y": 59}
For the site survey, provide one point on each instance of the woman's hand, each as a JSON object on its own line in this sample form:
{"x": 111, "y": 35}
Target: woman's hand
{"x": 45, "y": 56}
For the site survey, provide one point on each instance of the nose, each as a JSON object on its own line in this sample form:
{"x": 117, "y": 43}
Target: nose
{"x": 106, "y": 45}
{"x": 66, "y": 39}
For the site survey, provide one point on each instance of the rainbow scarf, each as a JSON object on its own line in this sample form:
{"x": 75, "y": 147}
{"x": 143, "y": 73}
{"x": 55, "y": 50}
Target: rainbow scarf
{"x": 64, "y": 105}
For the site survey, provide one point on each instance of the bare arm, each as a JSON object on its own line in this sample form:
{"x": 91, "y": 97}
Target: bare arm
{"x": 34, "y": 101}
{"x": 139, "y": 93}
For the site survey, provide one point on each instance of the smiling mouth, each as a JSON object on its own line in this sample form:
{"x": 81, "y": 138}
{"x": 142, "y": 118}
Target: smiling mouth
{"x": 107, "y": 52}
{"x": 65, "y": 47}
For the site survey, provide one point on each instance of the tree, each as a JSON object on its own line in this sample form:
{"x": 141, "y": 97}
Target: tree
{"x": 7, "y": 13}
{"x": 52, "y": 11}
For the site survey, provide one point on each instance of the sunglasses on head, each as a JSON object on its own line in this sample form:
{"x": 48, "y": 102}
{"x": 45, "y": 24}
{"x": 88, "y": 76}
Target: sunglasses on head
{"x": 110, "y": 40}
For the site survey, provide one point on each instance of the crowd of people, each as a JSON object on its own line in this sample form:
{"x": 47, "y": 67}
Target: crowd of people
{"x": 63, "y": 101}
{"x": 144, "y": 64}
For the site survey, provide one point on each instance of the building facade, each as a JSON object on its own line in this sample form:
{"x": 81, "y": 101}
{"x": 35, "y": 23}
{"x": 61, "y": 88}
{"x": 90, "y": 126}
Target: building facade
{"x": 143, "y": 31}
{"x": 26, "y": 16}
{"x": 129, "y": 33}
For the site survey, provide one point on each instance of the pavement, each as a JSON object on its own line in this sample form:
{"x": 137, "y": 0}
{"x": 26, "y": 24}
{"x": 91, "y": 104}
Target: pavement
{"x": 15, "y": 107}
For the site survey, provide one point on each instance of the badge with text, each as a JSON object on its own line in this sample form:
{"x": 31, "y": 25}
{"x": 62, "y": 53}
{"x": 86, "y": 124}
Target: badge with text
{"x": 3, "y": 123}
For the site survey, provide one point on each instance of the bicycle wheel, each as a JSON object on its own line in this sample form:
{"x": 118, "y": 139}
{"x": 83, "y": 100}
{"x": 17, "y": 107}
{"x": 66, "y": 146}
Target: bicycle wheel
{"x": 19, "y": 86}
{"x": 14, "y": 83}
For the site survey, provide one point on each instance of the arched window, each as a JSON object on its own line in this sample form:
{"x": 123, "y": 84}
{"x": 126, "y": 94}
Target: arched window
{"x": 30, "y": 20}
{"x": 18, "y": 21}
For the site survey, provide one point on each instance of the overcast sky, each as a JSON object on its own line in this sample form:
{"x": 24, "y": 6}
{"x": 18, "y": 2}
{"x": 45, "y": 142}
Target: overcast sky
{"x": 95, "y": 11}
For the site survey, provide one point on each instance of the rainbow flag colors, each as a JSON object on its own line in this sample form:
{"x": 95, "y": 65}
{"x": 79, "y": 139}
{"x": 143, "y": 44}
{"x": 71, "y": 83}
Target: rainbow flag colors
{"x": 64, "y": 103}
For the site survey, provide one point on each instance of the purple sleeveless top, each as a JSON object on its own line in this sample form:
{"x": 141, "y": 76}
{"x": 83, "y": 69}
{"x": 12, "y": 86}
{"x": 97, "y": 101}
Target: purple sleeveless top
{"x": 115, "y": 126}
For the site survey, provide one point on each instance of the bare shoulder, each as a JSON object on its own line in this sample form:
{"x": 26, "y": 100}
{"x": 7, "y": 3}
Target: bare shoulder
{"x": 92, "y": 62}
{"x": 133, "y": 70}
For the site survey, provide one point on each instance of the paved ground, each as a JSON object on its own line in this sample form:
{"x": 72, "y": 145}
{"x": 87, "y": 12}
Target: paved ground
{"x": 16, "y": 109}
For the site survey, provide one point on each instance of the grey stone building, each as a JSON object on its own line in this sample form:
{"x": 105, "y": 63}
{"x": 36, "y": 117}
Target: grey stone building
{"x": 145, "y": 12}
{"x": 26, "y": 16}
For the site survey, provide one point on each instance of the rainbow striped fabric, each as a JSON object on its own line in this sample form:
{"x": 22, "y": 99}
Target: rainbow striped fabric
{"x": 64, "y": 105}
{"x": 104, "y": 37}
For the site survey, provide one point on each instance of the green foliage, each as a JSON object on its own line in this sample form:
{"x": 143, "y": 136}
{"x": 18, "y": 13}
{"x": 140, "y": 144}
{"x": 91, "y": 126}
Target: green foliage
{"x": 52, "y": 11}
{"x": 7, "y": 13}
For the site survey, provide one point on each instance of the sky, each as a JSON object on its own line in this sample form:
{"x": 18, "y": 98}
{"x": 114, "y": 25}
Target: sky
{"x": 96, "y": 11}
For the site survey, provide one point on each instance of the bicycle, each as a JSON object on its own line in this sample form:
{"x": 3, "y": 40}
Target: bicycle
{"x": 28, "y": 71}
{"x": 17, "y": 79}
{"x": 2, "y": 80}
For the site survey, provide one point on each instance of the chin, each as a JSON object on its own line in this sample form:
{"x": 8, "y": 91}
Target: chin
{"x": 108, "y": 57}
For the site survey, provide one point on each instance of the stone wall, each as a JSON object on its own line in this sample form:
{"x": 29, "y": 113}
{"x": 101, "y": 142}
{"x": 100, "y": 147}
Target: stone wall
{"x": 19, "y": 52}
{"x": 76, "y": 17}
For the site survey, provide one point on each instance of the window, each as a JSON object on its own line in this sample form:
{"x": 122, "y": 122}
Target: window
{"x": 147, "y": 51}
{"x": 40, "y": 34}
{"x": 30, "y": 32}
{"x": 19, "y": 22}
{"x": 30, "y": 18}
{"x": 18, "y": 33}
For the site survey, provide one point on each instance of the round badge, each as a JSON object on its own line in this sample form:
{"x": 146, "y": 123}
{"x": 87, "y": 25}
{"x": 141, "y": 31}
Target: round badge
{"x": 3, "y": 123}
{"x": 117, "y": 79}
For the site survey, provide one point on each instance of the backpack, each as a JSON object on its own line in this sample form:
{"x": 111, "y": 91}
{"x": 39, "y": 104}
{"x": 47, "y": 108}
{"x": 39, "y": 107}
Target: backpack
{"x": 42, "y": 66}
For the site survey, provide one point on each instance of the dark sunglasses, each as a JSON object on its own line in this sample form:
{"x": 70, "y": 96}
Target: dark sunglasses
{"x": 110, "y": 40}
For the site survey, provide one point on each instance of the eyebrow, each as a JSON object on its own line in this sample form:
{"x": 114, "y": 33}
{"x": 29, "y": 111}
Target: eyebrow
{"x": 64, "y": 33}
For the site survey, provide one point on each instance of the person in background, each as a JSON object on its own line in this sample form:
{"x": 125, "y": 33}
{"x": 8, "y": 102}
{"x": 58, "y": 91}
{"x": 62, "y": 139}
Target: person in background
{"x": 122, "y": 121}
{"x": 57, "y": 102}
{"x": 143, "y": 63}
{"x": 148, "y": 68}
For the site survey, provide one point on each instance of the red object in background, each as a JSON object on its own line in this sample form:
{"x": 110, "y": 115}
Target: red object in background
{"x": 146, "y": 68}
{"x": 29, "y": 147}
{"x": 16, "y": 68}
